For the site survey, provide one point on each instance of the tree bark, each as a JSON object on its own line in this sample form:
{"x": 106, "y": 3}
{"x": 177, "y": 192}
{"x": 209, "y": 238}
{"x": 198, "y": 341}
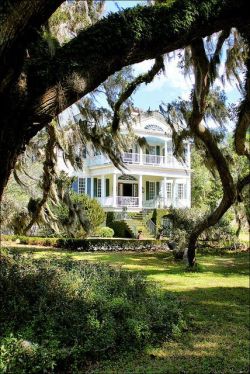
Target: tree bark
{"x": 202, "y": 85}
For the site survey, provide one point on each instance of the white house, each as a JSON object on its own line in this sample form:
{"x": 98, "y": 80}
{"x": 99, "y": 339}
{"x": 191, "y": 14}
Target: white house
{"x": 153, "y": 178}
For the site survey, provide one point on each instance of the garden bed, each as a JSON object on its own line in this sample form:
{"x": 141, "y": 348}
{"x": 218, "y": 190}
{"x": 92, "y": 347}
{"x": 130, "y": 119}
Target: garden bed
{"x": 92, "y": 244}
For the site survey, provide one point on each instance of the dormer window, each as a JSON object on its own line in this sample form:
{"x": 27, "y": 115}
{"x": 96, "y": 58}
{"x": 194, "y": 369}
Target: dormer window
{"x": 153, "y": 127}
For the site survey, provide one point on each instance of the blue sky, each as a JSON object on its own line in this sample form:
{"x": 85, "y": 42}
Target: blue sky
{"x": 165, "y": 87}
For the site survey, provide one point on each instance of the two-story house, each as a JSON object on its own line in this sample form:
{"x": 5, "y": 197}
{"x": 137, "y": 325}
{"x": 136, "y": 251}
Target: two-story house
{"x": 153, "y": 177}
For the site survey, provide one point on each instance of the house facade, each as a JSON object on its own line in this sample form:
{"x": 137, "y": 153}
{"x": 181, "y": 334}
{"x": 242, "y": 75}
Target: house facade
{"x": 153, "y": 177}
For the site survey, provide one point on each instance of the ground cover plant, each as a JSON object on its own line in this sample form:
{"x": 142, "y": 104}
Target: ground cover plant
{"x": 215, "y": 302}
{"x": 58, "y": 316}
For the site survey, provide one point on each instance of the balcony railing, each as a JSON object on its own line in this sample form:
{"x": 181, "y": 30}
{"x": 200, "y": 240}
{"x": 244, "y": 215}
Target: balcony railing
{"x": 127, "y": 201}
{"x": 153, "y": 160}
{"x": 131, "y": 158}
{"x": 168, "y": 161}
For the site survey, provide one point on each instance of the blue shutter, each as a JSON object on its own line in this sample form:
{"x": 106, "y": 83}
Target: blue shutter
{"x": 89, "y": 186}
{"x": 75, "y": 185}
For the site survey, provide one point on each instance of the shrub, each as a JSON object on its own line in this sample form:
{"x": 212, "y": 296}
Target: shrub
{"x": 62, "y": 313}
{"x": 91, "y": 244}
{"x": 121, "y": 229}
{"x": 104, "y": 232}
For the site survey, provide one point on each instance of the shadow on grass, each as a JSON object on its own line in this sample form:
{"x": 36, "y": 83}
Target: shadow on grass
{"x": 153, "y": 263}
{"x": 217, "y": 313}
{"x": 216, "y": 340}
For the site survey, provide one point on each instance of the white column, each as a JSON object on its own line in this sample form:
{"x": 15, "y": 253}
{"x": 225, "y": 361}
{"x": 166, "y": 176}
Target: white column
{"x": 114, "y": 190}
{"x": 189, "y": 155}
{"x": 165, "y": 191}
{"x": 188, "y": 187}
{"x": 140, "y": 191}
{"x": 102, "y": 189}
{"x": 141, "y": 155}
{"x": 174, "y": 197}
{"x": 166, "y": 153}
{"x": 86, "y": 185}
{"x": 92, "y": 187}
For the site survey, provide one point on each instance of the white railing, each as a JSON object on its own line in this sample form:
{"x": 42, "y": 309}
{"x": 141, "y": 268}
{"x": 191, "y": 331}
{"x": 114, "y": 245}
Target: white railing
{"x": 98, "y": 160}
{"x": 131, "y": 158}
{"x": 127, "y": 201}
{"x": 134, "y": 158}
{"x": 153, "y": 160}
{"x": 171, "y": 161}
{"x": 105, "y": 201}
{"x": 160, "y": 202}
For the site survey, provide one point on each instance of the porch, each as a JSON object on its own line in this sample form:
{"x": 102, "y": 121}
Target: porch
{"x": 141, "y": 192}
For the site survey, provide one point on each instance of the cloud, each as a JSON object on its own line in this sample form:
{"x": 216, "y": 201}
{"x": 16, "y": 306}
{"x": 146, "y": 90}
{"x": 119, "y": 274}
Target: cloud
{"x": 171, "y": 79}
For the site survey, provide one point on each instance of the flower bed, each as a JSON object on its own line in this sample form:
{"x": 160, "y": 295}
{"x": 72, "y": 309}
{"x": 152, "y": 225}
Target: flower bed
{"x": 92, "y": 244}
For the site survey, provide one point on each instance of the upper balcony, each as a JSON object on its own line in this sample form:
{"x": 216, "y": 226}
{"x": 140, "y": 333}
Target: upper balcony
{"x": 168, "y": 161}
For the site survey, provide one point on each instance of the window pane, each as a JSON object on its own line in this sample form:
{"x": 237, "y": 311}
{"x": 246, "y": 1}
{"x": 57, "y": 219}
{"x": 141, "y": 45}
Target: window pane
{"x": 180, "y": 191}
{"x": 151, "y": 190}
{"x": 99, "y": 188}
{"x": 169, "y": 190}
{"x": 81, "y": 185}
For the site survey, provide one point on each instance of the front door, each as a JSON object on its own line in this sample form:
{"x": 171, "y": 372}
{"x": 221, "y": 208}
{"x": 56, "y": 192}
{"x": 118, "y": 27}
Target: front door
{"x": 127, "y": 189}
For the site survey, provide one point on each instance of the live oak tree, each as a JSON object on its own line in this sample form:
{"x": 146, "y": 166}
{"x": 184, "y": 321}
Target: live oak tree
{"x": 36, "y": 85}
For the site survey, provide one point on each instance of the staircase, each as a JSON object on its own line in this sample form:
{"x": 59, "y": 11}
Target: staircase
{"x": 137, "y": 223}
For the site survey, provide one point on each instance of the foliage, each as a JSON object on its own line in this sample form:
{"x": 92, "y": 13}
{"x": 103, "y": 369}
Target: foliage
{"x": 94, "y": 212}
{"x": 184, "y": 220}
{"x": 105, "y": 232}
{"x": 157, "y": 216}
{"x": 79, "y": 218}
{"x": 62, "y": 314}
{"x": 205, "y": 187}
{"x": 90, "y": 244}
{"x": 121, "y": 229}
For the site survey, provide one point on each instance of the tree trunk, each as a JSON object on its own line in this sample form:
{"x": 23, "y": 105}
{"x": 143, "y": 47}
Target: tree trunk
{"x": 211, "y": 220}
{"x": 11, "y": 146}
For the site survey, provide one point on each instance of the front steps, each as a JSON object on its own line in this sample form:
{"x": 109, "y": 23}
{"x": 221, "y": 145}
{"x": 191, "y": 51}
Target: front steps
{"x": 136, "y": 223}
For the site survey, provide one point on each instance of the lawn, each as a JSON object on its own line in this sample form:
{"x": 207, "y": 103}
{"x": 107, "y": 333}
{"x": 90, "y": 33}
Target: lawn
{"x": 215, "y": 299}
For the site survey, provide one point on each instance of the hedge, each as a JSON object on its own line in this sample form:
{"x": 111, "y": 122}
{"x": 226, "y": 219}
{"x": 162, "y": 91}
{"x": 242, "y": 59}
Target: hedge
{"x": 92, "y": 244}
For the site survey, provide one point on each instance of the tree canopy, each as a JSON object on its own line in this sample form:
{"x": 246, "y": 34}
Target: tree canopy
{"x": 37, "y": 82}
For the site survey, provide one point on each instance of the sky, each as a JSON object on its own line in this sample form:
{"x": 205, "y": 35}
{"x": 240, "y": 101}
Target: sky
{"x": 167, "y": 86}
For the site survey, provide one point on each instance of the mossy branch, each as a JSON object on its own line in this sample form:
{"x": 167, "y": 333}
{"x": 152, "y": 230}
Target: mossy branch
{"x": 143, "y": 78}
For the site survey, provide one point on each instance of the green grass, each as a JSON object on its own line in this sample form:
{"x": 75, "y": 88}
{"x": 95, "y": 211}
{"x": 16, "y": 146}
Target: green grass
{"x": 215, "y": 299}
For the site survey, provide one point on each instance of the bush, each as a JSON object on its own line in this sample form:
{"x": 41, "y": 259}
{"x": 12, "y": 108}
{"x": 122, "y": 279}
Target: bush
{"x": 61, "y": 314}
{"x": 91, "y": 244}
{"x": 104, "y": 232}
{"x": 121, "y": 229}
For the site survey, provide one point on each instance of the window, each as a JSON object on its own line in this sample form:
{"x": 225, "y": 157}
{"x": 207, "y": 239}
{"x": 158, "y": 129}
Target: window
{"x": 154, "y": 128}
{"x": 81, "y": 185}
{"x": 126, "y": 177}
{"x": 84, "y": 151}
{"x": 151, "y": 192}
{"x": 169, "y": 148}
{"x": 99, "y": 188}
{"x": 169, "y": 190}
{"x": 181, "y": 191}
